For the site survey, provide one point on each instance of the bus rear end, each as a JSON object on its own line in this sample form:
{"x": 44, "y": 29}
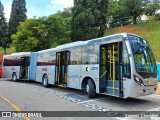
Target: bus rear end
{"x": 143, "y": 68}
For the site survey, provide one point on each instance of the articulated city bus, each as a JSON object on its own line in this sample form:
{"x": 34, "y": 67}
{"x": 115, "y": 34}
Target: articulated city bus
{"x": 120, "y": 65}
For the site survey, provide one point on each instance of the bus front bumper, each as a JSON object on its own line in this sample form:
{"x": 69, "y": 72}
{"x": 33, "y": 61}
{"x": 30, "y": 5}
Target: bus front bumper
{"x": 143, "y": 90}
{"x": 148, "y": 90}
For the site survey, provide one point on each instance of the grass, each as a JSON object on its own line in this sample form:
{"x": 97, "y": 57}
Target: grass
{"x": 9, "y": 50}
{"x": 149, "y": 30}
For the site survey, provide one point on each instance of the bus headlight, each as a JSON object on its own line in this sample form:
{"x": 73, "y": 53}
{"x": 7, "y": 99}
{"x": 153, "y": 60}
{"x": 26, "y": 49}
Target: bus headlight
{"x": 138, "y": 80}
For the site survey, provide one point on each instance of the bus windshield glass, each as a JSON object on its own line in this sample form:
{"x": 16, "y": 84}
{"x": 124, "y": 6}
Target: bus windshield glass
{"x": 143, "y": 55}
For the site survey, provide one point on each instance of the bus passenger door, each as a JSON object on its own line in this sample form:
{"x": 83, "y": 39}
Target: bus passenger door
{"x": 66, "y": 63}
{"x": 111, "y": 69}
{"x": 24, "y": 67}
{"x": 62, "y": 61}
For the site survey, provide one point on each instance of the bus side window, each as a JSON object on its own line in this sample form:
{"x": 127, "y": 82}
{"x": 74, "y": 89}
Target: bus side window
{"x": 4, "y": 61}
{"x": 75, "y": 55}
{"x": 84, "y": 60}
{"x": 126, "y": 63}
{"x": 52, "y": 58}
{"x": 10, "y": 61}
{"x": 40, "y": 59}
{"x": 90, "y": 54}
{"x": 46, "y": 58}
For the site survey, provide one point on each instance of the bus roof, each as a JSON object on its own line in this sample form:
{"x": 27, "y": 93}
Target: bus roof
{"x": 79, "y": 43}
{"x": 47, "y": 50}
{"x": 72, "y": 44}
{"x": 92, "y": 41}
{"x": 19, "y": 54}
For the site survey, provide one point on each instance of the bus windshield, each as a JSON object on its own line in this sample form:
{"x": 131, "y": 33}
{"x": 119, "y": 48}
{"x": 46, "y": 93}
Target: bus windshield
{"x": 143, "y": 56}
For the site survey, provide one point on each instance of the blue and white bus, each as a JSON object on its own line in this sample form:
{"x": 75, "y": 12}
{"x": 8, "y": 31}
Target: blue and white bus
{"x": 120, "y": 65}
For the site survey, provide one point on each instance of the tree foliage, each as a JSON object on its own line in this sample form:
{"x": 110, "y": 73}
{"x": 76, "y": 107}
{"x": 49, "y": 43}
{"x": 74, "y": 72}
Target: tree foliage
{"x": 66, "y": 13}
{"x": 117, "y": 16}
{"x": 41, "y": 33}
{"x": 18, "y": 14}
{"x": 4, "y": 41}
{"x": 102, "y": 6}
{"x": 157, "y": 16}
{"x": 152, "y": 7}
{"x": 123, "y": 12}
{"x": 88, "y": 19}
{"x": 134, "y": 8}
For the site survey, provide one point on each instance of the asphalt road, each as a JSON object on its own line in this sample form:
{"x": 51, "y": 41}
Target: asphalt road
{"x": 31, "y": 96}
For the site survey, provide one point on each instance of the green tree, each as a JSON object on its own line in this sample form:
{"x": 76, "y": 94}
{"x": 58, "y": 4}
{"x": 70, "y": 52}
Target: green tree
{"x": 4, "y": 41}
{"x": 41, "y": 33}
{"x": 117, "y": 15}
{"x": 88, "y": 19}
{"x": 152, "y": 7}
{"x": 134, "y": 8}
{"x": 83, "y": 22}
{"x": 18, "y": 14}
{"x": 157, "y": 16}
{"x": 66, "y": 13}
{"x": 102, "y": 6}
{"x": 26, "y": 39}
{"x": 58, "y": 29}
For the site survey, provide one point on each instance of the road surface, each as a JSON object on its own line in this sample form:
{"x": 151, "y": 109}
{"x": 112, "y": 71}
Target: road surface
{"x": 31, "y": 96}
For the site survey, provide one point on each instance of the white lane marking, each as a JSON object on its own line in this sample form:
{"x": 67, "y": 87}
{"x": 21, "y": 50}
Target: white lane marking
{"x": 91, "y": 100}
{"x": 78, "y": 95}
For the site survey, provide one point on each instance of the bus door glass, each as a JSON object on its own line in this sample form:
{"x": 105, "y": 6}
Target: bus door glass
{"x": 62, "y": 61}
{"x": 24, "y": 67}
{"x": 66, "y": 63}
{"x": 111, "y": 68}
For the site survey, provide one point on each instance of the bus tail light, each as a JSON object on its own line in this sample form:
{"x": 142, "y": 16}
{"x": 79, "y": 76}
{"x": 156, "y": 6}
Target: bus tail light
{"x": 138, "y": 80}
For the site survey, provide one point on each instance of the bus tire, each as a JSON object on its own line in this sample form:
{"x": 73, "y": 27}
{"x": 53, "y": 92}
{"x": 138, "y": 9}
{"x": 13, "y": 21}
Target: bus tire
{"x": 45, "y": 81}
{"x": 14, "y": 77}
{"x": 90, "y": 88}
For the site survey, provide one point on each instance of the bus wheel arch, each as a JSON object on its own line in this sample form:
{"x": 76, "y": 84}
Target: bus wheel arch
{"x": 88, "y": 86}
{"x": 14, "y": 76}
{"x": 45, "y": 80}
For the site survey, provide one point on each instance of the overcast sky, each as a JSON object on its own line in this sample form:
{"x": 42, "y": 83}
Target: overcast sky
{"x": 39, "y": 7}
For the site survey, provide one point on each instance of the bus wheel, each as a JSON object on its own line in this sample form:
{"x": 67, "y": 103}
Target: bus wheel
{"x": 14, "y": 77}
{"x": 90, "y": 88}
{"x": 45, "y": 81}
